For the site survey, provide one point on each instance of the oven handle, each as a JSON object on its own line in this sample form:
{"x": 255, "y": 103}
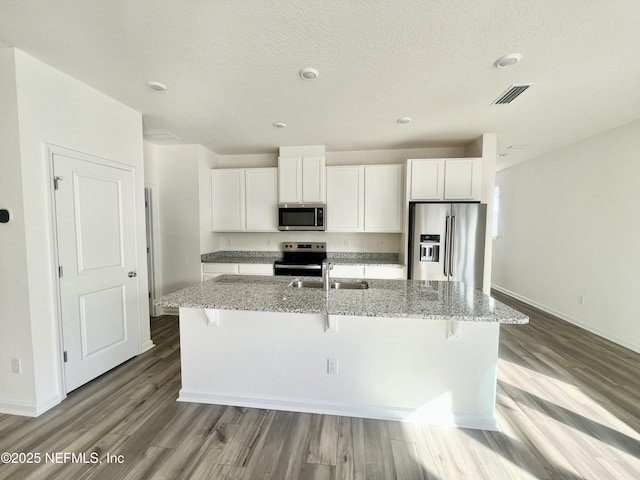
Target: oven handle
{"x": 299, "y": 267}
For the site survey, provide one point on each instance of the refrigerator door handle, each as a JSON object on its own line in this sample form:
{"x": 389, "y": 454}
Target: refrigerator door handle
{"x": 447, "y": 233}
{"x": 452, "y": 241}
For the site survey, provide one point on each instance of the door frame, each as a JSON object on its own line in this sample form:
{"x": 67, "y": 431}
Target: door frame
{"x": 51, "y": 151}
{"x": 151, "y": 224}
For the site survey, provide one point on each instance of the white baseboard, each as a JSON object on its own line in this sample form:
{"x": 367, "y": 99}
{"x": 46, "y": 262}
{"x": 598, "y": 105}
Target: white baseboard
{"x": 379, "y": 412}
{"x": 568, "y": 318}
{"x": 147, "y": 346}
{"x": 29, "y": 409}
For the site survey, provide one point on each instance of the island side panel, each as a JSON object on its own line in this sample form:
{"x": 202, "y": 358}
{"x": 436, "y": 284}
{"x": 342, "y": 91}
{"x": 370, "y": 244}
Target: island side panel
{"x": 388, "y": 368}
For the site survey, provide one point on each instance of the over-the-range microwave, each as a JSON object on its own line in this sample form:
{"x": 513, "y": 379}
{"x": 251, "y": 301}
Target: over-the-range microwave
{"x": 301, "y": 216}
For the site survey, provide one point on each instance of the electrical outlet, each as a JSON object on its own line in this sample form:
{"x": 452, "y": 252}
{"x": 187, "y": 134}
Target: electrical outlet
{"x": 228, "y": 241}
{"x": 268, "y": 242}
{"x": 382, "y": 243}
{"x": 332, "y": 366}
{"x": 346, "y": 243}
{"x": 16, "y": 365}
{"x": 580, "y": 300}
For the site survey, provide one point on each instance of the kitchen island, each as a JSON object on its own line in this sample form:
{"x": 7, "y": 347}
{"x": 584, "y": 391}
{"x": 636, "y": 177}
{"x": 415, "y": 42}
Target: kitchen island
{"x": 401, "y": 350}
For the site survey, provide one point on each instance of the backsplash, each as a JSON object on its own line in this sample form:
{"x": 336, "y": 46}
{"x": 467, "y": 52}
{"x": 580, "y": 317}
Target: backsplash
{"x": 336, "y": 242}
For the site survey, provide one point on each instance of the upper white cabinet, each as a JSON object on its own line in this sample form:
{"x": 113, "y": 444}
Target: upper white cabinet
{"x": 261, "y": 199}
{"x": 244, "y": 200}
{"x": 227, "y": 200}
{"x": 364, "y": 198}
{"x": 444, "y": 179}
{"x": 301, "y": 179}
{"x": 462, "y": 179}
{"x": 345, "y": 199}
{"x": 383, "y": 198}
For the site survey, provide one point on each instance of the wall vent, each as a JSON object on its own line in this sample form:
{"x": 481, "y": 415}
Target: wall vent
{"x": 513, "y": 92}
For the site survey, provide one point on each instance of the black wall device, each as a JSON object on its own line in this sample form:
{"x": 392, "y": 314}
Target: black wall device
{"x": 4, "y": 216}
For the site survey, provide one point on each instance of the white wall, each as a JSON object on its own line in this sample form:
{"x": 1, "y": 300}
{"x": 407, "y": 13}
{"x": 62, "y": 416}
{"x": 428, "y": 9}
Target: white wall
{"x": 184, "y": 206}
{"x": 206, "y": 161}
{"x": 569, "y": 227}
{"x": 16, "y": 391}
{"x": 55, "y": 109}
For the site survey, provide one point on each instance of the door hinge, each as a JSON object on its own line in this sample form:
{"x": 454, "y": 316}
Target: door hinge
{"x": 64, "y": 356}
{"x": 149, "y": 295}
{"x": 60, "y": 271}
{"x": 56, "y": 182}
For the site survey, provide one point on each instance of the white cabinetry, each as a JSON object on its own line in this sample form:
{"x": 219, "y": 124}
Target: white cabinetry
{"x": 261, "y": 199}
{"x": 244, "y": 200}
{"x": 345, "y": 199}
{"x": 444, "y": 179}
{"x": 370, "y": 271}
{"x": 227, "y": 200}
{"x": 211, "y": 270}
{"x": 383, "y": 198}
{"x": 301, "y": 179}
{"x": 364, "y": 198}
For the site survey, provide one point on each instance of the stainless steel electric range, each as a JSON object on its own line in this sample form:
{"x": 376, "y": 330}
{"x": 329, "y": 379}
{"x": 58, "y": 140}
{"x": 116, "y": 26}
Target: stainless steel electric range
{"x": 301, "y": 259}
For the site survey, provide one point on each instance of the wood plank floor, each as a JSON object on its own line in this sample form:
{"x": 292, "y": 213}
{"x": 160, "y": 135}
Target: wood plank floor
{"x": 568, "y": 407}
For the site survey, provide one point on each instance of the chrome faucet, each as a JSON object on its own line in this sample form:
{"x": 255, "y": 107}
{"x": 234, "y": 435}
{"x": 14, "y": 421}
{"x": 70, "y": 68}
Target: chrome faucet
{"x": 326, "y": 280}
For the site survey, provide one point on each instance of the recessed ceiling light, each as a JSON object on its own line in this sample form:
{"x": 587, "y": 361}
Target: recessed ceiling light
{"x": 508, "y": 60}
{"x": 157, "y": 86}
{"x": 404, "y": 120}
{"x": 502, "y": 155}
{"x": 309, "y": 73}
{"x": 280, "y": 125}
{"x": 517, "y": 147}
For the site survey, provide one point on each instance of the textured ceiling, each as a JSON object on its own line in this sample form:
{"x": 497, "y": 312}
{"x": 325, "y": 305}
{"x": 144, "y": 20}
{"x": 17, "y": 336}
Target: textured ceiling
{"x": 232, "y": 68}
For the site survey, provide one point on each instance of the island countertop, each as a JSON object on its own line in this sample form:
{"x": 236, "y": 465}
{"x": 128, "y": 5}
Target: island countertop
{"x": 429, "y": 300}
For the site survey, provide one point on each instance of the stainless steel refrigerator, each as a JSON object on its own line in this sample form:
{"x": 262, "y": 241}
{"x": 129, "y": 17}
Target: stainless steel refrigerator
{"x": 446, "y": 242}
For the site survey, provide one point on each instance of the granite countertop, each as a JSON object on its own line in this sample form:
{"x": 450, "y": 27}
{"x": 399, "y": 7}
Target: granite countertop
{"x": 337, "y": 258}
{"x": 430, "y": 300}
{"x": 240, "y": 256}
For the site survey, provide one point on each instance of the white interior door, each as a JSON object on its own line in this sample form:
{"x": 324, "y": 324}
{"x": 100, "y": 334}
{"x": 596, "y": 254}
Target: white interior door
{"x": 95, "y": 222}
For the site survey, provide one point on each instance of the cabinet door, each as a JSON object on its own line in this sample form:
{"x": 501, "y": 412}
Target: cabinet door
{"x": 290, "y": 179}
{"x": 345, "y": 199}
{"x": 426, "y": 179}
{"x": 313, "y": 180}
{"x": 392, "y": 272}
{"x": 261, "y": 195}
{"x": 264, "y": 269}
{"x": 347, "y": 271}
{"x": 462, "y": 179}
{"x": 383, "y": 198}
{"x": 227, "y": 200}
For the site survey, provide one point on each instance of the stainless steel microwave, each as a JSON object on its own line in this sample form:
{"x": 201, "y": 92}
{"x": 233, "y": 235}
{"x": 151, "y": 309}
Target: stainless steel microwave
{"x": 301, "y": 216}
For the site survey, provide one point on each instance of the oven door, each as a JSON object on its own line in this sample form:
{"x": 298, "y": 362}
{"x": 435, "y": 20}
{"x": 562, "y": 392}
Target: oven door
{"x": 297, "y": 269}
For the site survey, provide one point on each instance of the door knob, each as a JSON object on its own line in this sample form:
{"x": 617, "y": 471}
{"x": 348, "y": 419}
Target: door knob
{"x": 133, "y": 274}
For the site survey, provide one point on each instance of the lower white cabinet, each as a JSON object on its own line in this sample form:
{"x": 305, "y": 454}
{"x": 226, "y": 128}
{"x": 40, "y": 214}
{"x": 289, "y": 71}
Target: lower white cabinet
{"x": 347, "y": 271}
{"x": 265, "y": 269}
{"x": 388, "y": 272}
{"x": 211, "y": 270}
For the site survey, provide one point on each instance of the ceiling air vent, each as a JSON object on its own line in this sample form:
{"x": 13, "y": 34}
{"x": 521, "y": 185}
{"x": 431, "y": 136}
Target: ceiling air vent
{"x": 513, "y": 92}
{"x": 160, "y": 134}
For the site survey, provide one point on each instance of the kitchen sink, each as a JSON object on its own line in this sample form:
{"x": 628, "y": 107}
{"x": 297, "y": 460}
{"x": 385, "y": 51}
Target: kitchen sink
{"x": 358, "y": 285}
